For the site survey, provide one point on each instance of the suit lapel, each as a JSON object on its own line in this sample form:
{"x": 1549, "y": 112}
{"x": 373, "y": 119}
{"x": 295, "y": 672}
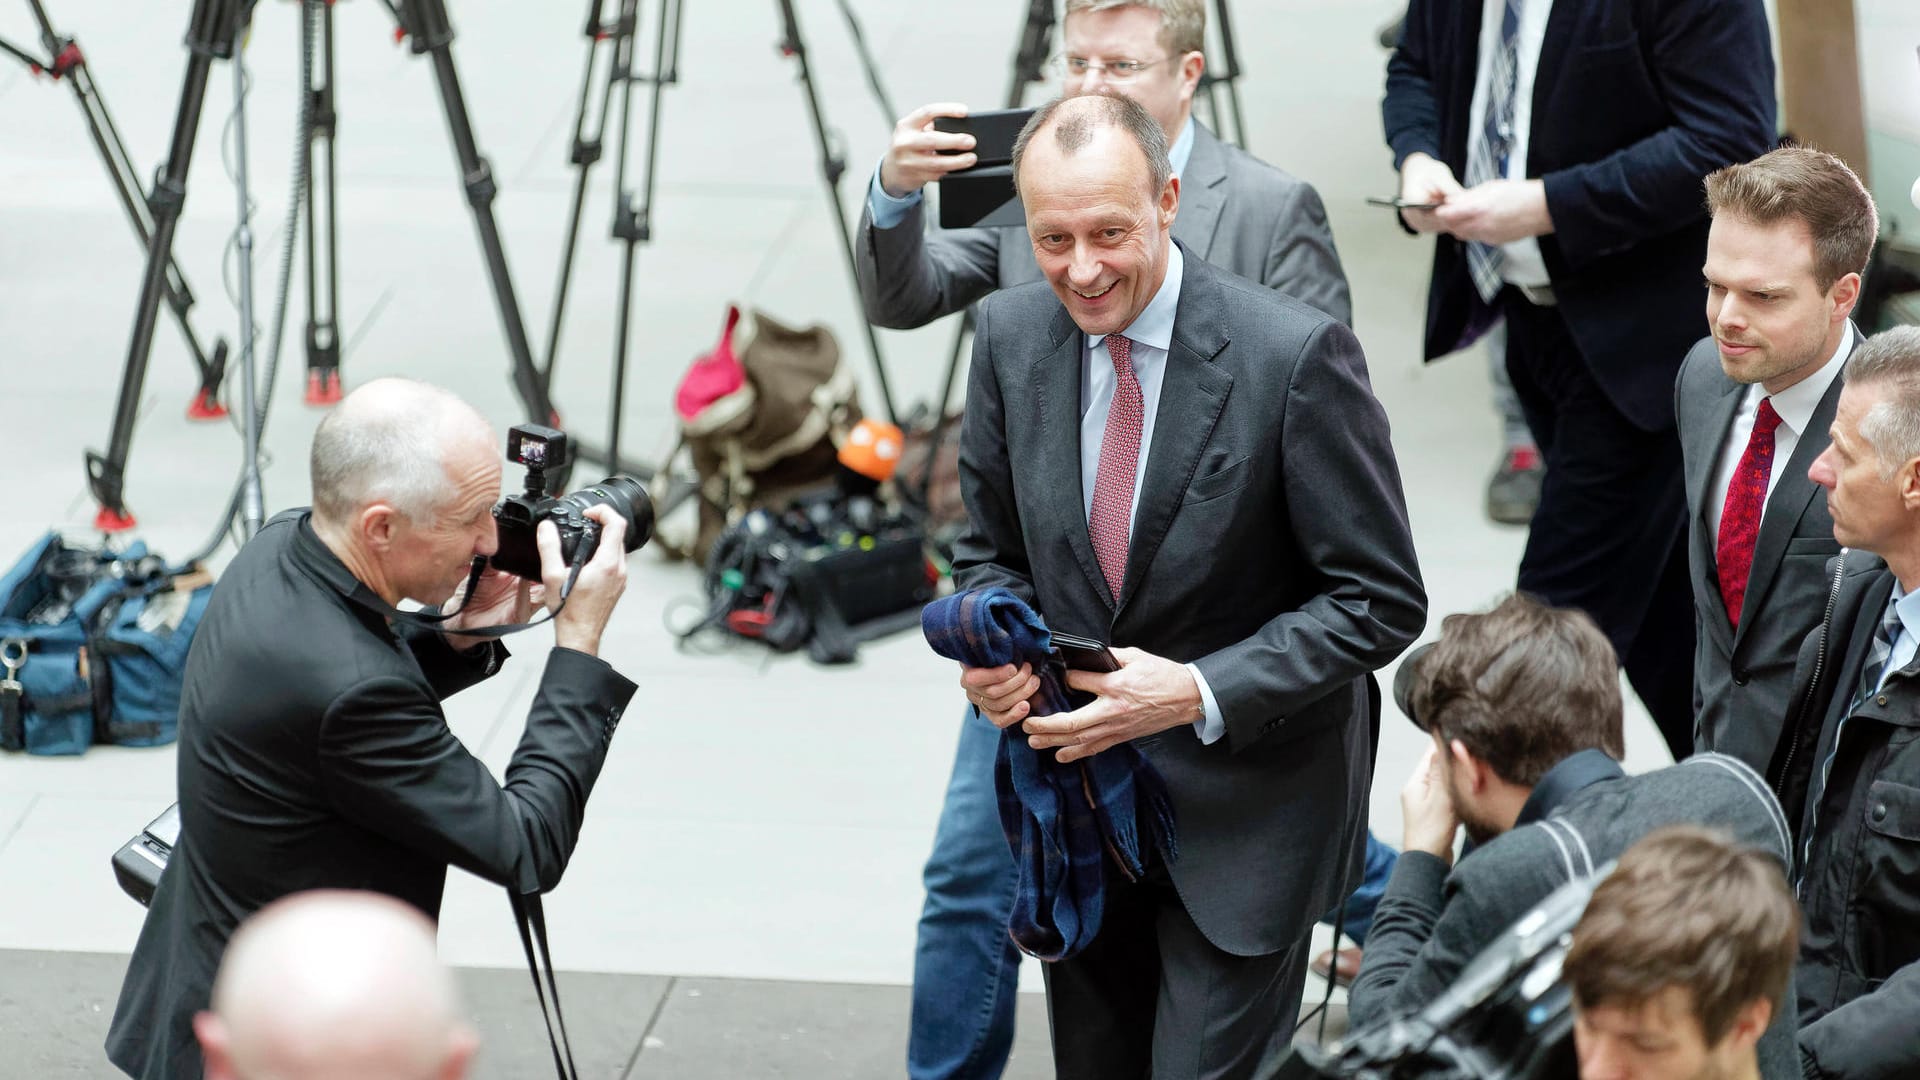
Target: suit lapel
{"x": 1192, "y": 393}
{"x": 1057, "y": 386}
{"x": 1791, "y": 496}
{"x": 1203, "y": 193}
{"x": 1558, "y": 38}
{"x": 1719, "y": 426}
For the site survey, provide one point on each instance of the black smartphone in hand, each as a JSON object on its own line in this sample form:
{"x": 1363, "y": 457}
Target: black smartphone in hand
{"x": 1398, "y": 203}
{"x": 1084, "y": 654}
{"x": 994, "y": 132}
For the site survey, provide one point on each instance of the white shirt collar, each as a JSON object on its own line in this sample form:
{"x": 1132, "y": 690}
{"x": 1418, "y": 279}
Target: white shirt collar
{"x": 1154, "y": 325}
{"x": 1796, "y": 403}
{"x": 1907, "y": 606}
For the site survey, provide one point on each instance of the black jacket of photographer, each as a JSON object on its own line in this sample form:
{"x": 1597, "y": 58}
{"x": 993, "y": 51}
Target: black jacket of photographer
{"x": 1852, "y": 782}
{"x": 1583, "y": 813}
{"x": 314, "y": 754}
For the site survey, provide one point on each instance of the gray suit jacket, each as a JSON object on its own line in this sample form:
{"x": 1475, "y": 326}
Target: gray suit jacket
{"x": 1270, "y": 547}
{"x": 1741, "y": 677}
{"x": 1236, "y": 211}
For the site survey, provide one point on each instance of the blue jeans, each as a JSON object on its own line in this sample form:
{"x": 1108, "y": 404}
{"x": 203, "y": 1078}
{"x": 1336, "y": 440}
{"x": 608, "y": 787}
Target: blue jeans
{"x": 1357, "y": 917}
{"x": 966, "y": 969}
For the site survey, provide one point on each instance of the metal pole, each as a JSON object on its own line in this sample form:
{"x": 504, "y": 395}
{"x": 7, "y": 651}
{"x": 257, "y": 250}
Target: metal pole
{"x": 832, "y": 165}
{"x": 252, "y": 503}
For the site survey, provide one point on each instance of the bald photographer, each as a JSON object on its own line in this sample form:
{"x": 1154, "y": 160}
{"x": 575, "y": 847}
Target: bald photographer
{"x": 313, "y": 750}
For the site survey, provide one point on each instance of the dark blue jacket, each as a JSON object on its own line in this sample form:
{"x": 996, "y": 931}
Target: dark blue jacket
{"x": 1636, "y": 101}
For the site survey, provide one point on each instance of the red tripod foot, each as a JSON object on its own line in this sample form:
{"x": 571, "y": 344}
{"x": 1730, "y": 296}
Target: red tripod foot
{"x": 206, "y": 406}
{"x": 111, "y": 520}
{"x": 323, "y": 387}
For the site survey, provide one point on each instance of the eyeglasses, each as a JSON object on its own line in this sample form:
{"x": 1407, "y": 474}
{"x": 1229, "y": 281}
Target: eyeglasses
{"x": 1118, "y": 71}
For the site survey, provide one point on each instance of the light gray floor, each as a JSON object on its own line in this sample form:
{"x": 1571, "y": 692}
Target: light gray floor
{"x": 760, "y": 818}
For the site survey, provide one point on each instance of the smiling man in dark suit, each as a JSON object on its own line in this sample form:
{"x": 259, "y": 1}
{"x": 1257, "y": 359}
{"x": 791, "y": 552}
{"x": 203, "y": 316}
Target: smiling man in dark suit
{"x": 1564, "y": 142}
{"x": 1792, "y": 231}
{"x": 1237, "y": 212}
{"x": 1194, "y": 468}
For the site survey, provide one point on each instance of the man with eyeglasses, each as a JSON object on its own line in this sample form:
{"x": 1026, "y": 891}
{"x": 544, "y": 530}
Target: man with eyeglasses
{"x": 1236, "y": 212}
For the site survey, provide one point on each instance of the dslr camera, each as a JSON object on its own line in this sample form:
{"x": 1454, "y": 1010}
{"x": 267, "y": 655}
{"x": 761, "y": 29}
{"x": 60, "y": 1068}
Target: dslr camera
{"x": 542, "y": 450}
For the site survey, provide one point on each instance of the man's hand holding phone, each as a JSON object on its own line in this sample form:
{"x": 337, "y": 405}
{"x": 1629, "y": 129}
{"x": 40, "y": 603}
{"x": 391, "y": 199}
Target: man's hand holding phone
{"x": 1424, "y": 180}
{"x": 1148, "y": 694}
{"x": 920, "y": 155}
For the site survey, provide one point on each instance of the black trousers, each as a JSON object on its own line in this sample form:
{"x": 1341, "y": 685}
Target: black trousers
{"x": 1152, "y": 997}
{"x": 1609, "y": 535}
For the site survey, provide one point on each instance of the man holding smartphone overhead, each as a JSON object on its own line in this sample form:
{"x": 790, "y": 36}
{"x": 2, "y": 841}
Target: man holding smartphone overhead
{"x": 1237, "y": 212}
{"x": 1565, "y": 142}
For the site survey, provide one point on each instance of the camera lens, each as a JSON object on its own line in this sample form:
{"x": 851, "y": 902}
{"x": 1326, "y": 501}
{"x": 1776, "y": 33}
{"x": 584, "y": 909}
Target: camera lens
{"x": 627, "y": 498}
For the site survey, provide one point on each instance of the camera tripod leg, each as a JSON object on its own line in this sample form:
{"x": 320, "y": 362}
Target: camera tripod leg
{"x": 833, "y": 164}
{"x": 323, "y": 243}
{"x": 585, "y": 154}
{"x": 426, "y": 26}
{"x": 1229, "y": 76}
{"x": 633, "y": 223}
{"x": 1030, "y": 58}
{"x": 212, "y": 29}
{"x": 69, "y": 62}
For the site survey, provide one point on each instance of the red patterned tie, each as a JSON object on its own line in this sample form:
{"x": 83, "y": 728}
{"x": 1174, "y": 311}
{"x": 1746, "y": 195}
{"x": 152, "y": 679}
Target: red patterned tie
{"x": 1112, "y": 516}
{"x": 1740, "y": 517}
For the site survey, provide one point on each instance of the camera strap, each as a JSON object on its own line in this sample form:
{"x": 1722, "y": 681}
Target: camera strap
{"x": 530, "y": 914}
{"x": 436, "y": 621}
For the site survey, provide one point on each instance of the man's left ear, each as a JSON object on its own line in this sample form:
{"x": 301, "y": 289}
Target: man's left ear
{"x": 378, "y": 524}
{"x": 212, "y": 1035}
{"x": 1749, "y": 1024}
{"x": 1192, "y": 66}
{"x": 1910, "y": 485}
{"x": 1170, "y": 202}
{"x": 1846, "y": 294}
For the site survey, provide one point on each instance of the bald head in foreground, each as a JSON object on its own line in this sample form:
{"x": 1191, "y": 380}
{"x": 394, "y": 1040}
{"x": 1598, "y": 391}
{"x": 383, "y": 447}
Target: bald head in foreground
{"x": 334, "y": 985}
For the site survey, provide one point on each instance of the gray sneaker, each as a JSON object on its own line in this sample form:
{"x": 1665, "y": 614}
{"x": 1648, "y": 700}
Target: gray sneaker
{"x": 1514, "y": 491}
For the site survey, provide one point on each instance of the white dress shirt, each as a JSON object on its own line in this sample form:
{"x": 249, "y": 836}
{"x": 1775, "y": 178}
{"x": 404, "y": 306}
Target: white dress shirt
{"x": 1152, "y": 336}
{"x": 1521, "y": 262}
{"x": 1795, "y": 405}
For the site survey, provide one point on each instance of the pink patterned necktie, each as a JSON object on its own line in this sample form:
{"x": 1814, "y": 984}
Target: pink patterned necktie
{"x": 1112, "y": 518}
{"x": 1740, "y": 515}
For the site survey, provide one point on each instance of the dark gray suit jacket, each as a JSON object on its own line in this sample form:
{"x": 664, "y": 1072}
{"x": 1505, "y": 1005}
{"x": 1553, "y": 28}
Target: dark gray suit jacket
{"x": 313, "y": 755}
{"x": 1270, "y": 547}
{"x": 1236, "y": 211}
{"x": 1741, "y": 678}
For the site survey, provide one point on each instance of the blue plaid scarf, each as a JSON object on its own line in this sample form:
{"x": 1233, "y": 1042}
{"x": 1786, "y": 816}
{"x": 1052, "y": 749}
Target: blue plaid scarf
{"x": 1061, "y": 820}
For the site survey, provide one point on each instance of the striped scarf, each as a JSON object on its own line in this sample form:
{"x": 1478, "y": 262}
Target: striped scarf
{"x": 1061, "y": 820}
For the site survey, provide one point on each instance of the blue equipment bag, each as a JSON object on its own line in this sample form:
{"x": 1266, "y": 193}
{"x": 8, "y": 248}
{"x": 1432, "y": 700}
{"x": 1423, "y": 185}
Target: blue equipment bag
{"x": 93, "y": 644}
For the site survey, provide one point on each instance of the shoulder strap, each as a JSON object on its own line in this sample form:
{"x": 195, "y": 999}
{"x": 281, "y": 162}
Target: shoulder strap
{"x": 1751, "y": 780}
{"x": 1569, "y": 841}
{"x": 531, "y": 916}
